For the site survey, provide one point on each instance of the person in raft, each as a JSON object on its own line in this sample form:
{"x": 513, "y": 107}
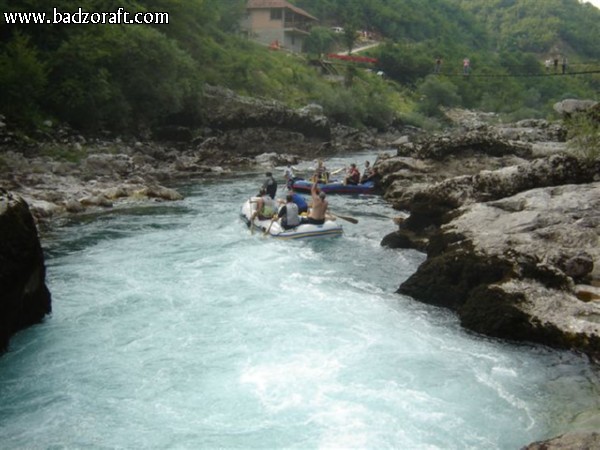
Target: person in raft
{"x": 270, "y": 185}
{"x": 316, "y": 216}
{"x": 266, "y": 207}
{"x": 353, "y": 175}
{"x": 290, "y": 218}
{"x": 299, "y": 200}
{"x": 321, "y": 174}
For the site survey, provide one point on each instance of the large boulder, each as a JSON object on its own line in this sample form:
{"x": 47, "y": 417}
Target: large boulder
{"x": 512, "y": 234}
{"x": 571, "y": 106}
{"x": 226, "y": 111}
{"x": 511, "y": 267}
{"x": 24, "y": 297}
{"x": 434, "y": 204}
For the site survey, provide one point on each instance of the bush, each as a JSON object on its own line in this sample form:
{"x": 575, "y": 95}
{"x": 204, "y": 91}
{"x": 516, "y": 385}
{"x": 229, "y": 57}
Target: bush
{"x": 22, "y": 80}
{"x": 435, "y": 93}
{"x": 121, "y": 78}
{"x": 583, "y": 134}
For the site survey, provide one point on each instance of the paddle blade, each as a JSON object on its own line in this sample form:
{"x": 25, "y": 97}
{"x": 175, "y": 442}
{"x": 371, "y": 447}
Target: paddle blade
{"x": 346, "y": 218}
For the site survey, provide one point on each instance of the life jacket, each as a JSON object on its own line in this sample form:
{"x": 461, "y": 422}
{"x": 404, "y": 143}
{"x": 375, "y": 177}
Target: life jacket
{"x": 271, "y": 186}
{"x": 292, "y": 218}
{"x": 354, "y": 176}
{"x": 269, "y": 206}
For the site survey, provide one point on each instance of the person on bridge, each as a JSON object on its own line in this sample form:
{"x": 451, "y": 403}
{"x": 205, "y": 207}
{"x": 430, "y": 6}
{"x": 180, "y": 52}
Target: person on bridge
{"x": 466, "y": 66}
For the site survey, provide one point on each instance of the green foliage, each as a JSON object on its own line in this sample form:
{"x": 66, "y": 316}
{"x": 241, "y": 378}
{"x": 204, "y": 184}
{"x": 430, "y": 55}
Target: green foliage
{"x": 406, "y": 64}
{"x": 68, "y": 153}
{"x": 539, "y": 26}
{"x": 419, "y": 120}
{"x": 120, "y": 78}
{"x": 436, "y": 93}
{"x": 584, "y": 136}
{"x": 366, "y": 103}
{"x": 126, "y": 78}
{"x": 320, "y": 41}
{"x": 22, "y": 79}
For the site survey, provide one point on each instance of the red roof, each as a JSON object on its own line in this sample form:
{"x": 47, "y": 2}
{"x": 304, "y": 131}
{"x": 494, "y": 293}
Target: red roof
{"x": 261, "y": 4}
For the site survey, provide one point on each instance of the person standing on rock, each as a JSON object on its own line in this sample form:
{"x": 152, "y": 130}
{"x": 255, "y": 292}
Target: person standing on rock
{"x": 270, "y": 185}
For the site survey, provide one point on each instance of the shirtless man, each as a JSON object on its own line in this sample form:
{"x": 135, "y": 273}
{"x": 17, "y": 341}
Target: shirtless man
{"x": 319, "y": 206}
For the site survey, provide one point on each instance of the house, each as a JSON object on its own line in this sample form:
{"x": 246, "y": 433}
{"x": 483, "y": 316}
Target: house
{"x": 277, "y": 23}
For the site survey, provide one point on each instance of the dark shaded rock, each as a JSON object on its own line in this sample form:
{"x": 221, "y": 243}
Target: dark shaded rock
{"x": 173, "y": 133}
{"x": 448, "y": 279}
{"x": 579, "y": 266}
{"x": 24, "y": 297}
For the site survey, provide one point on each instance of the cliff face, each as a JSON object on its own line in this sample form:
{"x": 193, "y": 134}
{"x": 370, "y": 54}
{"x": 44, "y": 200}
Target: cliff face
{"x": 24, "y": 297}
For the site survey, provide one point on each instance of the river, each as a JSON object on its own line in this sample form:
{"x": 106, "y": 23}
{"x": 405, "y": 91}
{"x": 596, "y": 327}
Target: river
{"x": 174, "y": 327}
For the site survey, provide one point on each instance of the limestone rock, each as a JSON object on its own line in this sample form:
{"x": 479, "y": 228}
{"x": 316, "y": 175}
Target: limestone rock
{"x": 509, "y": 267}
{"x": 570, "y": 106}
{"x": 580, "y": 440}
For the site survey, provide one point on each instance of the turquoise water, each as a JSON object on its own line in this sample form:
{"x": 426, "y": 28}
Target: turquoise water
{"x": 174, "y": 327}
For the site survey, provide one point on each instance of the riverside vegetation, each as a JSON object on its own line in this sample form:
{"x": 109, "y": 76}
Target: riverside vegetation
{"x": 133, "y": 80}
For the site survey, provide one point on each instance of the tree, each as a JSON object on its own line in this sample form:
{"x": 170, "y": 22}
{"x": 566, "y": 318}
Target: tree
{"x": 22, "y": 79}
{"x": 320, "y": 41}
{"x": 435, "y": 93}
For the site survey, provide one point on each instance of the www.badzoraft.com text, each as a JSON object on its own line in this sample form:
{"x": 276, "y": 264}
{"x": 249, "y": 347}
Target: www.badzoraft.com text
{"x": 120, "y": 16}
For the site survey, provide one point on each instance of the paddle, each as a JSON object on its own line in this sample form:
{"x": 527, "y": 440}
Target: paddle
{"x": 269, "y": 229}
{"x": 347, "y": 218}
{"x": 337, "y": 171}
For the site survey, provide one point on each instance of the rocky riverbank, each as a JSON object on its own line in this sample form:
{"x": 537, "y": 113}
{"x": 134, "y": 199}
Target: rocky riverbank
{"x": 510, "y": 221}
{"x": 58, "y": 171}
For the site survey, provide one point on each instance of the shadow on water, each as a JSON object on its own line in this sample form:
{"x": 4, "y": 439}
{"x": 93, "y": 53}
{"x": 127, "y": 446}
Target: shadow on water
{"x": 87, "y": 230}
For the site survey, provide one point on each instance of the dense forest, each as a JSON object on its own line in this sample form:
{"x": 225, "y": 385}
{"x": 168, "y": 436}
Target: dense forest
{"x": 132, "y": 78}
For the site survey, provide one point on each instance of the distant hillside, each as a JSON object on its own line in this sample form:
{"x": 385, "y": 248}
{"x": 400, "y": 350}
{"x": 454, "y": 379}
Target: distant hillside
{"x": 506, "y": 41}
{"x": 132, "y": 79}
